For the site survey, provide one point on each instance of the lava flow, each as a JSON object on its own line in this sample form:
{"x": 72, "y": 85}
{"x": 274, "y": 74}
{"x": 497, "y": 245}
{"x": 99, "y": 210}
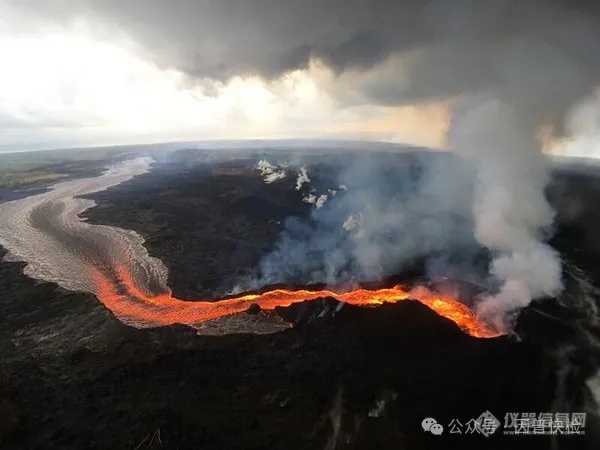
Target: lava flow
{"x": 126, "y": 300}
{"x": 113, "y": 264}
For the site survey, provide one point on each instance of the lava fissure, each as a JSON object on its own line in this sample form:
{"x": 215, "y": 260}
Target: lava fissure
{"x": 130, "y": 303}
{"x": 113, "y": 264}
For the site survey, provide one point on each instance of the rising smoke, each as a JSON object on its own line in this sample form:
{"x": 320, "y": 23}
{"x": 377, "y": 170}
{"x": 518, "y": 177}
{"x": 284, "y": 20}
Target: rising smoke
{"x": 507, "y": 86}
{"x": 388, "y": 213}
{"x": 440, "y": 209}
{"x": 302, "y": 179}
{"x": 270, "y": 172}
{"x": 496, "y": 130}
{"x": 511, "y": 213}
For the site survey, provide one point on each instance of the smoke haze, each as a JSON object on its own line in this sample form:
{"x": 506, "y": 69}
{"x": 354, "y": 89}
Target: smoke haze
{"x": 389, "y": 211}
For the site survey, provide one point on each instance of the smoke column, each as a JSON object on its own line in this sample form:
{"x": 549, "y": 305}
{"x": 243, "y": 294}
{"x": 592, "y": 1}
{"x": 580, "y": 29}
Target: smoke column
{"x": 510, "y": 210}
{"x": 510, "y": 69}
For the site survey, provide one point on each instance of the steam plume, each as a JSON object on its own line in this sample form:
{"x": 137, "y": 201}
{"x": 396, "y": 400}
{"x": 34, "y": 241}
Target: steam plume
{"x": 510, "y": 67}
{"x": 318, "y": 201}
{"x": 269, "y": 172}
{"x": 510, "y": 210}
{"x": 386, "y": 215}
{"x": 302, "y": 178}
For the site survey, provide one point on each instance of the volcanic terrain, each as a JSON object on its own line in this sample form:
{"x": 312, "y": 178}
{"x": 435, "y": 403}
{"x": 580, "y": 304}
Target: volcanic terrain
{"x": 335, "y": 376}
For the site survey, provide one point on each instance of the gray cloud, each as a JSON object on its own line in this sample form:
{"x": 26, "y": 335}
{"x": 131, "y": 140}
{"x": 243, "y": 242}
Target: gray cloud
{"x": 460, "y": 42}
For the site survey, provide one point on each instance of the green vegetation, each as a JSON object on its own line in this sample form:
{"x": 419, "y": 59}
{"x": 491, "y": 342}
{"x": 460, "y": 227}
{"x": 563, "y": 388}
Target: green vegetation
{"x": 11, "y": 179}
{"x": 22, "y": 161}
{"x": 49, "y": 165}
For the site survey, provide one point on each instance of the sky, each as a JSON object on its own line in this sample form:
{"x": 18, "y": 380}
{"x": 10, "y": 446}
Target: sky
{"x": 85, "y": 73}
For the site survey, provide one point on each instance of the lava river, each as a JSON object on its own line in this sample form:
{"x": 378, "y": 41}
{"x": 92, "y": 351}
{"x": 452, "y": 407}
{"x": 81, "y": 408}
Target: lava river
{"x": 47, "y": 232}
{"x": 129, "y": 302}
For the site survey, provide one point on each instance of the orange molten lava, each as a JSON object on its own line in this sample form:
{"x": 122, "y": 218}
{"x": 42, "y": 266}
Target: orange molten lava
{"x": 130, "y": 303}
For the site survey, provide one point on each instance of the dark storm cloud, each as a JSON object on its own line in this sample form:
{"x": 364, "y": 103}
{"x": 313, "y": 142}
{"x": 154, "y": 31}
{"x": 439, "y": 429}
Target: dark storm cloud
{"x": 454, "y": 45}
{"x": 226, "y": 37}
{"x": 268, "y": 37}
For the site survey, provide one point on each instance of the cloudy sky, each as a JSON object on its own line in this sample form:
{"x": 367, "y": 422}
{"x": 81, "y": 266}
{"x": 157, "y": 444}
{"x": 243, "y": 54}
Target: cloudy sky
{"x": 97, "y": 72}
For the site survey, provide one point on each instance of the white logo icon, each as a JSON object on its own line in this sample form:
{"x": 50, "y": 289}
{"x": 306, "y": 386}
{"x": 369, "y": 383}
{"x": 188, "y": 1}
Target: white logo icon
{"x": 487, "y": 424}
{"x": 431, "y": 425}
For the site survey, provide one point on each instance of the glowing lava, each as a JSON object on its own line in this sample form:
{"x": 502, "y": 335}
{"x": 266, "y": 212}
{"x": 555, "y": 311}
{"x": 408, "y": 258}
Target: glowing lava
{"x": 126, "y": 300}
{"x": 47, "y": 232}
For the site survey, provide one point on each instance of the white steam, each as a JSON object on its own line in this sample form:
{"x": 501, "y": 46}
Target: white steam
{"x": 510, "y": 209}
{"x": 582, "y": 126}
{"x": 302, "y": 178}
{"x": 353, "y": 222}
{"x": 390, "y": 212}
{"x": 269, "y": 172}
{"x": 318, "y": 201}
{"x": 312, "y": 198}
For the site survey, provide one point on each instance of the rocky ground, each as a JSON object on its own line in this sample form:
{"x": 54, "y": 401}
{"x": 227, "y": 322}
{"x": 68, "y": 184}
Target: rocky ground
{"x": 80, "y": 379}
{"x": 352, "y": 378}
{"x": 209, "y": 226}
